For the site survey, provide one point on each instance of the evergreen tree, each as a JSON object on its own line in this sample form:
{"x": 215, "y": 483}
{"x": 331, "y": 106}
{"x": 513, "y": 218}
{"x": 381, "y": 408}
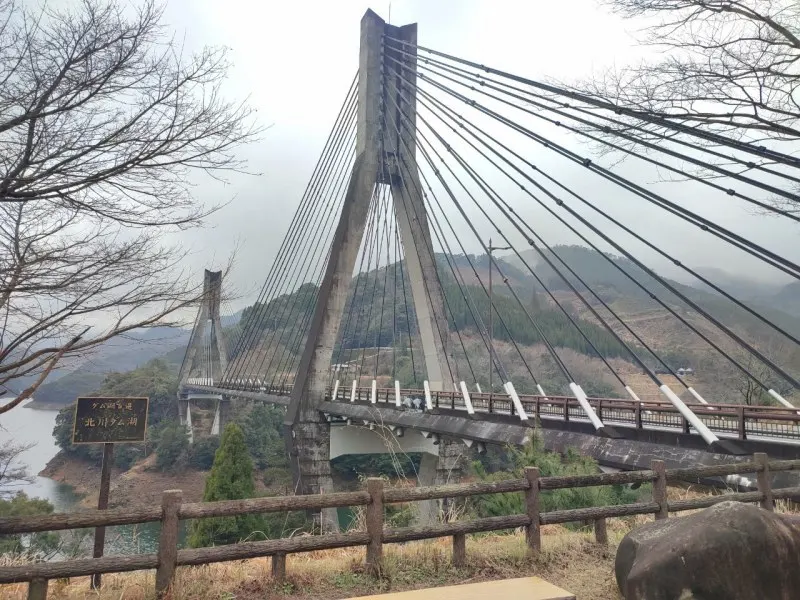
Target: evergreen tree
{"x": 231, "y": 478}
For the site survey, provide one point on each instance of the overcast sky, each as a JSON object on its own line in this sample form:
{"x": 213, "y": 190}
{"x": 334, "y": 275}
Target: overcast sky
{"x": 295, "y": 61}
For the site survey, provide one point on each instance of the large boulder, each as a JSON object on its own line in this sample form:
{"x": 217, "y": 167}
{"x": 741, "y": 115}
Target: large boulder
{"x": 730, "y": 551}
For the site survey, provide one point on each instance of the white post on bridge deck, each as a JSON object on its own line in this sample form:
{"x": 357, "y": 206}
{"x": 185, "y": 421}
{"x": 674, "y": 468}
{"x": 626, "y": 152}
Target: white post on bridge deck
{"x": 781, "y": 399}
{"x": 467, "y": 399}
{"x": 428, "y": 399}
{"x": 587, "y": 408}
{"x": 541, "y": 392}
{"x": 509, "y": 387}
{"x": 694, "y": 421}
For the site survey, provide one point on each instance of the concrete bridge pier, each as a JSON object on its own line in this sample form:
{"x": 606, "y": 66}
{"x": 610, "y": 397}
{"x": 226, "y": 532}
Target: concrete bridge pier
{"x": 446, "y": 466}
{"x": 311, "y": 454}
{"x": 442, "y": 459}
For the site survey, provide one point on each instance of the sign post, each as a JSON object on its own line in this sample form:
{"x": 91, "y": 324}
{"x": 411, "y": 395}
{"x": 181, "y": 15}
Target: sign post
{"x": 108, "y": 421}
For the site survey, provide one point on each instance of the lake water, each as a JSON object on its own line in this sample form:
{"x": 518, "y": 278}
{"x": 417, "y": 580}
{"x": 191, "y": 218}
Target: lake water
{"x": 25, "y": 425}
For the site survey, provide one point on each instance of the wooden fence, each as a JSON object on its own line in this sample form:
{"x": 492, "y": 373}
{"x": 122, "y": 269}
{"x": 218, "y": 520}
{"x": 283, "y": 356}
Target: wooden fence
{"x": 172, "y": 511}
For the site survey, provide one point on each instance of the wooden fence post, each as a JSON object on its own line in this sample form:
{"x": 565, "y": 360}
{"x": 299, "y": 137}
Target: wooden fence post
{"x": 660, "y": 488}
{"x": 168, "y": 542}
{"x": 37, "y": 589}
{"x": 459, "y": 550}
{"x": 532, "y": 532}
{"x": 375, "y": 524}
{"x": 764, "y": 481}
{"x": 279, "y": 567}
{"x": 601, "y": 532}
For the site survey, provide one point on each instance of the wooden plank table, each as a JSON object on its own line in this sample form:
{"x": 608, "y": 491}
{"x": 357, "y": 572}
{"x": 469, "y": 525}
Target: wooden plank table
{"x": 525, "y": 588}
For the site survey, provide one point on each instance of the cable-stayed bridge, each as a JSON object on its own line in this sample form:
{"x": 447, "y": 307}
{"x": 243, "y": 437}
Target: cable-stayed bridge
{"x": 388, "y": 315}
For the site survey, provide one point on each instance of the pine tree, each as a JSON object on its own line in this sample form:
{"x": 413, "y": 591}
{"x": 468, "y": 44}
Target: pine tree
{"x": 231, "y": 478}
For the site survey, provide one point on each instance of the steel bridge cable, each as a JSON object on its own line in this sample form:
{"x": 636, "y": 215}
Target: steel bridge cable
{"x": 469, "y": 302}
{"x": 406, "y": 304}
{"x": 547, "y": 343}
{"x": 560, "y": 363}
{"x": 363, "y": 274}
{"x": 544, "y": 338}
{"x": 446, "y": 302}
{"x": 394, "y": 300}
{"x": 657, "y": 119}
{"x": 516, "y": 252}
{"x": 288, "y": 247}
{"x": 561, "y": 203}
{"x": 354, "y": 285}
{"x": 443, "y": 336}
{"x": 497, "y": 198}
{"x": 662, "y": 149}
{"x": 382, "y": 202}
{"x": 679, "y": 264}
{"x": 466, "y": 166}
{"x": 305, "y": 266}
{"x": 305, "y": 255}
{"x": 487, "y": 81}
{"x": 379, "y": 334}
{"x": 444, "y": 295}
{"x": 734, "y": 239}
{"x": 316, "y": 250}
{"x": 344, "y": 332}
{"x": 307, "y": 202}
{"x": 442, "y": 239}
{"x": 652, "y": 274}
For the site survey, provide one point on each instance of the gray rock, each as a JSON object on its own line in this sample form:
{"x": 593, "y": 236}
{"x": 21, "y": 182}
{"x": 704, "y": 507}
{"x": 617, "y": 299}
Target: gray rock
{"x": 730, "y": 551}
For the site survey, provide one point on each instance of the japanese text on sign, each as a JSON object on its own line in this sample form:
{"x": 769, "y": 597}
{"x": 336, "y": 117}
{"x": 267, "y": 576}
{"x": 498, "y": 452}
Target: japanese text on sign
{"x": 109, "y": 420}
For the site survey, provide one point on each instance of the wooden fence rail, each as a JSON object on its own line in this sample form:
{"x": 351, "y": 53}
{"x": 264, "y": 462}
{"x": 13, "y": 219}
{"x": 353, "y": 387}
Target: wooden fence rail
{"x": 172, "y": 511}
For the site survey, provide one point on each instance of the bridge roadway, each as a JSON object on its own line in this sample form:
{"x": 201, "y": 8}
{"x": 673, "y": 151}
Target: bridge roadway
{"x": 645, "y": 431}
{"x": 776, "y": 425}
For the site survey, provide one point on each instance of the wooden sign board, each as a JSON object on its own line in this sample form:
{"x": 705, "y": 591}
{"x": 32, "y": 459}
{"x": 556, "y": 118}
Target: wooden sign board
{"x": 110, "y": 420}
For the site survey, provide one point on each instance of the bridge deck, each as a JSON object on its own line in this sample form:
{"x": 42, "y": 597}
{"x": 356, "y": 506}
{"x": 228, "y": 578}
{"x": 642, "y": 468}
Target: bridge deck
{"x": 530, "y": 588}
{"x": 773, "y": 424}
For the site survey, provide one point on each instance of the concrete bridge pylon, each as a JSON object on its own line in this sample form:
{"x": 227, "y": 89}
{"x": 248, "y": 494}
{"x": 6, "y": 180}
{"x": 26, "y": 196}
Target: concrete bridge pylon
{"x": 385, "y": 156}
{"x": 206, "y": 358}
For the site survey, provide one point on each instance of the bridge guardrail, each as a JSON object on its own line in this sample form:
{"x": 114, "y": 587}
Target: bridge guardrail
{"x": 172, "y": 511}
{"x": 734, "y": 419}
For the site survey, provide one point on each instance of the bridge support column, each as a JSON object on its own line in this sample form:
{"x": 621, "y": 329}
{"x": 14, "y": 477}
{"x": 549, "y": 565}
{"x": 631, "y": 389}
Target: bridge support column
{"x": 312, "y": 443}
{"x": 225, "y": 413}
{"x": 440, "y": 470}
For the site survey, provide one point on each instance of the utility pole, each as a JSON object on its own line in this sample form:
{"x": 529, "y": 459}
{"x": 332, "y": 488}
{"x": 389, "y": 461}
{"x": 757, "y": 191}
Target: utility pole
{"x": 491, "y": 305}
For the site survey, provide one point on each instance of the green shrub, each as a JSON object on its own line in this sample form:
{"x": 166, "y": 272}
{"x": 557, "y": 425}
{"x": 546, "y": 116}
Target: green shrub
{"x": 550, "y": 464}
{"x": 172, "y": 447}
{"x": 35, "y": 546}
{"x": 201, "y": 453}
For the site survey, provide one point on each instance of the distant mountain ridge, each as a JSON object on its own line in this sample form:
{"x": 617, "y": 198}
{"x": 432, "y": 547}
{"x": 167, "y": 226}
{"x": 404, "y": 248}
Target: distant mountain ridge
{"x": 120, "y": 354}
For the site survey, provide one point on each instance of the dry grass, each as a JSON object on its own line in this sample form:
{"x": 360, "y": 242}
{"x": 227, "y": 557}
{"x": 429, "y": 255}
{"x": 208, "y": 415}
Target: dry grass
{"x": 568, "y": 559}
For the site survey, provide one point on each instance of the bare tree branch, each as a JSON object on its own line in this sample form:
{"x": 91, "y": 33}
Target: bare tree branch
{"x": 730, "y": 67}
{"x": 104, "y": 114}
{"x": 102, "y": 120}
